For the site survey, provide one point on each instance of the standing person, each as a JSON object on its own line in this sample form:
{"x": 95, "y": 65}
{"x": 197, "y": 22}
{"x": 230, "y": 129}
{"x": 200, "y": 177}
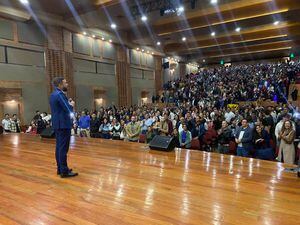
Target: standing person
{"x": 185, "y": 137}
{"x": 287, "y": 148}
{"x": 15, "y": 124}
{"x": 94, "y": 126}
{"x": 61, "y": 110}
{"x": 243, "y": 138}
{"x": 6, "y": 123}
{"x": 84, "y": 124}
{"x": 225, "y": 136}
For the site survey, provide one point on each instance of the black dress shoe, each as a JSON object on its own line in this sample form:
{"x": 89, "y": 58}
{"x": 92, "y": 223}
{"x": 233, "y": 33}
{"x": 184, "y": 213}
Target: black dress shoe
{"x": 70, "y": 174}
{"x": 58, "y": 173}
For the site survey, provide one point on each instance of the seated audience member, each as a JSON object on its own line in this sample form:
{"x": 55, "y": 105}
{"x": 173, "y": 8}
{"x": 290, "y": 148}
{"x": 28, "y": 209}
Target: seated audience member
{"x": 261, "y": 143}
{"x": 6, "y": 123}
{"x": 150, "y": 134}
{"x": 224, "y": 138}
{"x": 15, "y": 126}
{"x": 175, "y": 135}
{"x": 94, "y": 126}
{"x": 287, "y": 148}
{"x": 199, "y": 131}
{"x": 185, "y": 137}
{"x": 243, "y": 138}
{"x": 116, "y": 129}
{"x": 123, "y": 134}
{"x": 147, "y": 122}
{"x": 133, "y": 130}
{"x": 47, "y": 118}
{"x": 164, "y": 126}
{"x": 180, "y": 124}
{"x": 105, "y": 129}
{"x": 37, "y": 116}
{"x": 84, "y": 124}
{"x": 156, "y": 126}
{"x": 32, "y": 129}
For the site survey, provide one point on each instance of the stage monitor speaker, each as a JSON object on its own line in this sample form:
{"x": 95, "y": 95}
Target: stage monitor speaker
{"x": 48, "y": 133}
{"x": 162, "y": 143}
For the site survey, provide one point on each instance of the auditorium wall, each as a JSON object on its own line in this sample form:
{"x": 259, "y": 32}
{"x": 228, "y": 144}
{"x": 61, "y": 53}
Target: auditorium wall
{"x": 141, "y": 77}
{"x": 20, "y": 64}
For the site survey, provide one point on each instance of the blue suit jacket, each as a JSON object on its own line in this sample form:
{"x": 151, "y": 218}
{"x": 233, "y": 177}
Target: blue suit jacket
{"x": 61, "y": 110}
{"x": 247, "y": 137}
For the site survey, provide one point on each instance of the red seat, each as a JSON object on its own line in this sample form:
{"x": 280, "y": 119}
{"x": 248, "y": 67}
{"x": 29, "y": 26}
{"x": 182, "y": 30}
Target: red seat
{"x": 142, "y": 138}
{"x": 195, "y": 144}
{"x": 232, "y": 148}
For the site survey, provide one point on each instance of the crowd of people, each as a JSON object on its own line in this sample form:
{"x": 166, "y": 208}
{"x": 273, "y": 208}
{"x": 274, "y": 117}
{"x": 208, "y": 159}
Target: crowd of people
{"x": 200, "y": 112}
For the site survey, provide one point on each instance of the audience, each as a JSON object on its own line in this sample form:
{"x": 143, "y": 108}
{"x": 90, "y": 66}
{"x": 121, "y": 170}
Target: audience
{"x": 217, "y": 108}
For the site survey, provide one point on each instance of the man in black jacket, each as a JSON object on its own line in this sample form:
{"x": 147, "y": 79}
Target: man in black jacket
{"x": 94, "y": 126}
{"x": 225, "y": 136}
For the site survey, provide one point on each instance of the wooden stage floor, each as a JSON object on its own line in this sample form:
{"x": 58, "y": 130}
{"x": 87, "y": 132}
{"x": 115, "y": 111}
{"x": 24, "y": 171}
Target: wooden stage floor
{"x": 125, "y": 183}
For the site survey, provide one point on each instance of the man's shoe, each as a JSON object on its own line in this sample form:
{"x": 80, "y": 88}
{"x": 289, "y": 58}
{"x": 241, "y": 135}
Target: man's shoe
{"x": 70, "y": 174}
{"x": 58, "y": 173}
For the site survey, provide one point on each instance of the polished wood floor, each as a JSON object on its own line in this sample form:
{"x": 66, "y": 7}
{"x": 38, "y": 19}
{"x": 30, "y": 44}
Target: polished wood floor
{"x": 125, "y": 183}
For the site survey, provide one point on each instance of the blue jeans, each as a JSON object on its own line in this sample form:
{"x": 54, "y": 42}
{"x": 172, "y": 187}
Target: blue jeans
{"x": 242, "y": 151}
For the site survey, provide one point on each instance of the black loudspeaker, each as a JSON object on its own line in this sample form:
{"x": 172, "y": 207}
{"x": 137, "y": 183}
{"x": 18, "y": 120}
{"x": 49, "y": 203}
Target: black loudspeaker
{"x": 162, "y": 143}
{"x": 48, "y": 133}
{"x": 1, "y": 130}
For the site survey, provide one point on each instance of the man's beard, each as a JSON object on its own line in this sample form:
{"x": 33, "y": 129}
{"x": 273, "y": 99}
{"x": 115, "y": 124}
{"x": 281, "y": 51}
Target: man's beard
{"x": 64, "y": 89}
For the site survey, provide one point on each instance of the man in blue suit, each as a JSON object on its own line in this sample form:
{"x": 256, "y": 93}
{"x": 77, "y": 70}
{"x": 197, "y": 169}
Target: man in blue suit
{"x": 61, "y": 110}
{"x": 243, "y": 138}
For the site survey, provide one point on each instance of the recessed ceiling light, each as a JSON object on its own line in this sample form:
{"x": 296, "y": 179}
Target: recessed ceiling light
{"x": 102, "y": 38}
{"x": 137, "y": 49}
{"x": 93, "y": 36}
{"x": 276, "y": 22}
{"x": 148, "y": 52}
{"x": 183, "y": 39}
{"x": 24, "y": 2}
{"x": 84, "y": 33}
{"x": 213, "y": 34}
{"x": 152, "y": 53}
{"x": 143, "y": 50}
{"x": 169, "y": 58}
{"x": 238, "y": 29}
{"x": 113, "y": 26}
{"x": 158, "y": 43}
{"x": 213, "y": 1}
{"x": 180, "y": 9}
{"x": 144, "y": 18}
{"x": 110, "y": 40}
{"x": 203, "y": 60}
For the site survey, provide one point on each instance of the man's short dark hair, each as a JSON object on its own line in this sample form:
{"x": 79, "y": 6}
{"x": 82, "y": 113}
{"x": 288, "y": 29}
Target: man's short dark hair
{"x": 6, "y": 114}
{"x": 57, "y": 81}
{"x": 14, "y": 115}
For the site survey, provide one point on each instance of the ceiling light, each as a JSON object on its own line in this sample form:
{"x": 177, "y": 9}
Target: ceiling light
{"x": 102, "y": 38}
{"x": 24, "y": 2}
{"x": 143, "y": 50}
{"x": 144, "y": 18}
{"x": 168, "y": 58}
{"x": 180, "y": 9}
{"x": 183, "y": 39}
{"x": 213, "y": 1}
{"x": 213, "y": 34}
{"x": 203, "y": 60}
{"x": 276, "y": 22}
{"x": 110, "y": 40}
{"x": 84, "y": 33}
{"x": 113, "y": 26}
{"x": 152, "y": 53}
{"x": 93, "y": 36}
{"x": 137, "y": 49}
{"x": 238, "y": 29}
{"x": 158, "y": 43}
{"x": 148, "y": 52}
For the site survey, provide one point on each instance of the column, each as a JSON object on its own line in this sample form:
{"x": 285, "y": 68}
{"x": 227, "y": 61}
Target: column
{"x": 123, "y": 77}
{"x": 59, "y": 57}
{"x": 182, "y": 70}
{"x": 158, "y": 74}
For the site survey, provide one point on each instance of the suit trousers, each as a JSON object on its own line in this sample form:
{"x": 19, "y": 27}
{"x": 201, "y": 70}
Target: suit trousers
{"x": 62, "y": 147}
